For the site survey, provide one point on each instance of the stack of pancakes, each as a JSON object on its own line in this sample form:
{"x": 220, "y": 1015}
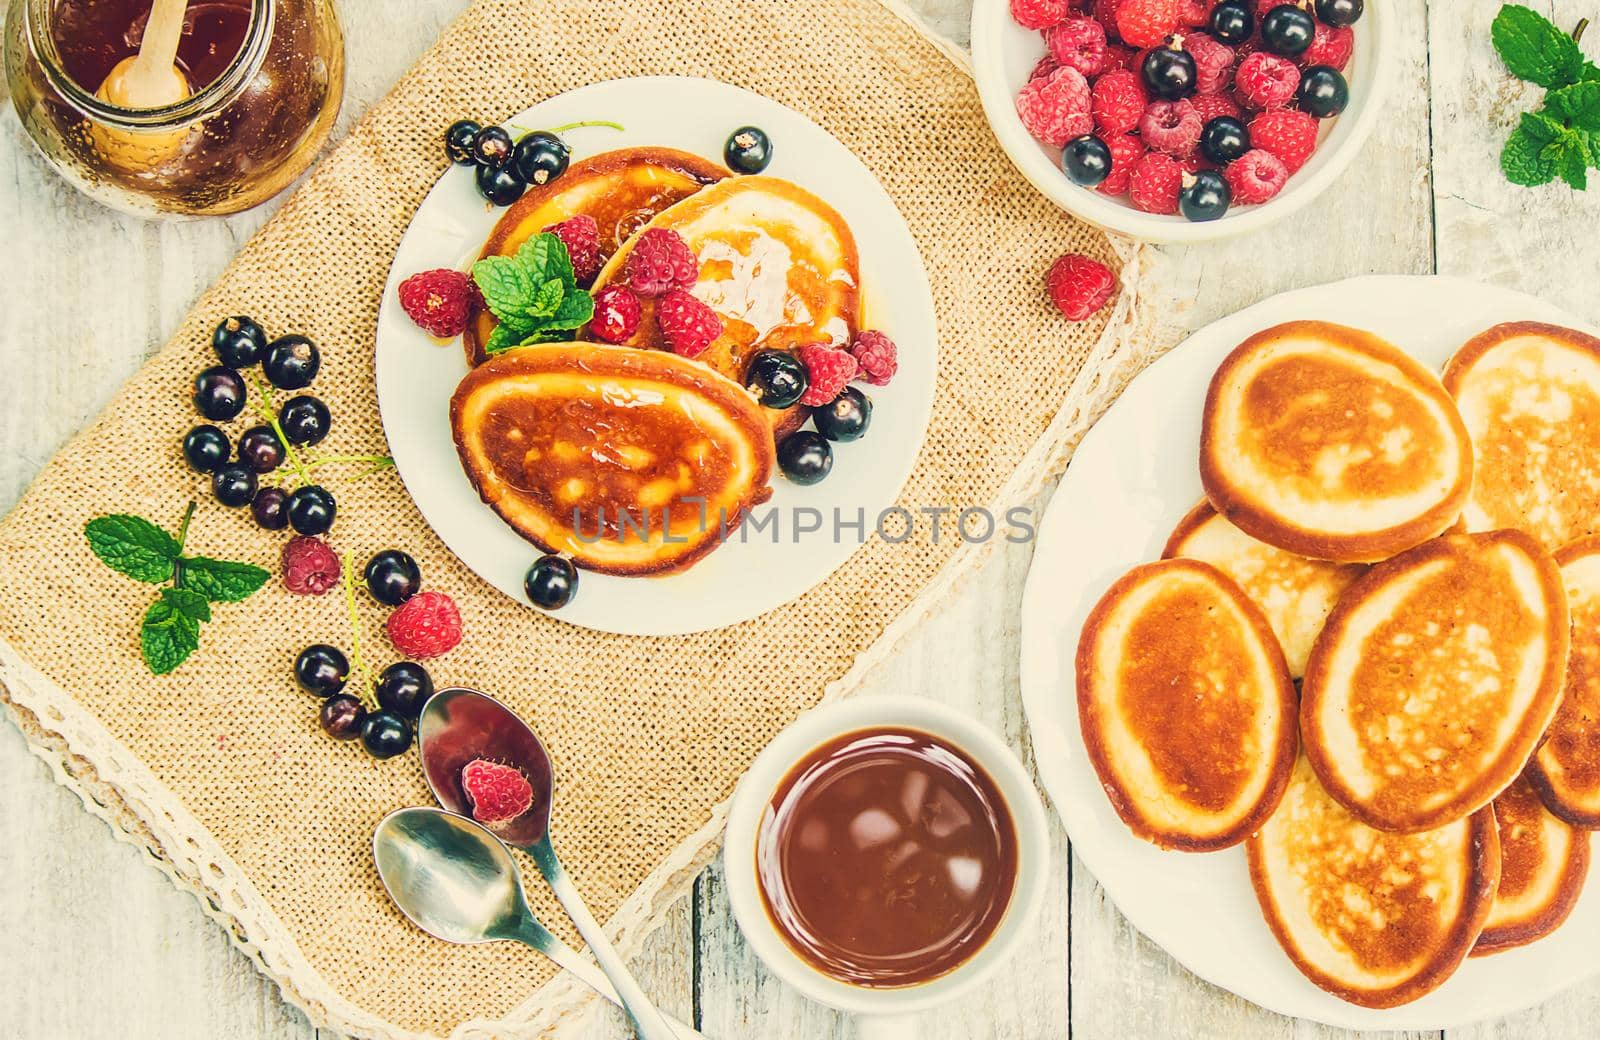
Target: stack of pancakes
{"x": 1423, "y": 557}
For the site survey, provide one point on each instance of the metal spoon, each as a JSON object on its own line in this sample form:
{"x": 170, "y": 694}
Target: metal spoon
{"x": 459, "y": 725}
{"x": 456, "y": 881}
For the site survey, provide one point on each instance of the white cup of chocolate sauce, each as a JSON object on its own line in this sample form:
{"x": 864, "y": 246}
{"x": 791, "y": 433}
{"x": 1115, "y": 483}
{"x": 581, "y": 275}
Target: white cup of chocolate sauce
{"x": 885, "y": 855}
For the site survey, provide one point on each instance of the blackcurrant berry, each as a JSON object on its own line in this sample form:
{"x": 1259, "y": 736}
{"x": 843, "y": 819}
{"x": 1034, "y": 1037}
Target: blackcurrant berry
{"x": 291, "y": 362}
{"x": 234, "y": 485}
{"x": 500, "y": 185}
{"x": 1232, "y": 22}
{"x": 1322, "y": 91}
{"x": 385, "y": 734}
{"x": 341, "y": 717}
{"x": 748, "y": 150}
{"x": 491, "y": 146}
{"x": 777, "y": 377}
{"x": 393, "y": 577}
{"x": 551, "y": 582}
{"x": 206, "y": 448}
{"x": 805, "y": 457}
{"x": 260, "y": 449}
{"x": 304, "y": 419}
{"x": 1287, "y": 30}
{"x": 458, "y": 141}
{"x": 1224, "y": 139}
{"x": 238, "y": 342}
{"x": 846, "y": 417}
{"x": 321, "y": 669}
{"x": 540, "y": 158}
{"x": 311, "y": 510}
{"x": 219, "y": 393}
{"x": 1086, "y": 160}
{"x": 1205, "y": 196}
{"x": 403, "y": 688}
{"x": 1340, "y": 12}
{"x": 270, "y": 508}
{"x": 1169, "y": 73}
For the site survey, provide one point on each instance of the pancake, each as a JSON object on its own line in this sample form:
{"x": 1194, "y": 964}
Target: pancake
{"x": 621, "y": 190}
{"x": 1331, "y": 443}
{"x": 1530, "y": 396}
{"x": 776, "y": 263}
{"x": 1435, "y": 678}
{"x": 1186, "y": 707}
{"x": 1566, "y": 770}
{"x": 575, "y": 444}
{"x": 1543, "y": 862}
{"x": 1374, "y": 918}
{"x": 1295, "y": 594}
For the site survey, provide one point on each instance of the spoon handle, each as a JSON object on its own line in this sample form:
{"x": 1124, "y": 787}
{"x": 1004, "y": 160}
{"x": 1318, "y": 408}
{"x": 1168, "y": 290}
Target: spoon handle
{"x": 648, "y": 1023}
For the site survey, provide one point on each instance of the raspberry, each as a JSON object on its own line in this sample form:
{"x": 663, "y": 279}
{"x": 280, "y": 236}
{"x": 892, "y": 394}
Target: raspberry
{"x": 1118, "y": 57}
{"x": 1289, "y": 134}
{"x": 310, "y": 566}
{"x": 496, "y": 792}
{"x": 875, "y": 356}
{"x": 1105, "y": 12}
{"x": 440, "y": 301}
{"x": 1126, "y": 151}
{"x": 1055, "y": 109}
{"x": 1194, "y": 162}
{"x": 1078, "y": 43}
{"x": 1330, "y": 46}
{"x": 1210, "y": 106}
{"x": 581, "y": 236}
{"x": 1255, "y": 176}
{"x": 1172, "y": 127}
{"x": 426, "y": 625}
{"x": 616, "y": 314}
{"x": 1079, "y": 286}
{"x": 829, "y": 368}
{"x": 1039, "y": 14}
{"x": 1155, "y": 183}
{"x": 1266, "y": 80}
{"x": 1147, "y": 23}
{"x": 660, "y": 260}
{"x": 687, "y": 324}
{"x": 1118, "y": 101}
{"x": 1043, "y": 68}
{"x": 1194, "y": 13}
{"x": 1213, "y": 63}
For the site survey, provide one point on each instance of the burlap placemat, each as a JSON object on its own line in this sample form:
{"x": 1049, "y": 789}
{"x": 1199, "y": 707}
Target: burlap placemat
{"x": 219, "y": 769}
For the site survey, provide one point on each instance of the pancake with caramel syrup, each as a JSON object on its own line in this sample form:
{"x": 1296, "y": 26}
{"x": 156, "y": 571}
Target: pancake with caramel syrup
{"x": 1530, "y": 396}
{"x": 1331, "y": 443}
{"x": 1435, "y": 678}
{"x": 1295, "y": 594}
{"x": 630, "y": 461}
{"x": 621, "y": 190}
{"x": 1375, "y": 918}
{"x": 1566, "y": 769}
{"x": 777, "y": 264}
{"x": 1186, "y": 707}
{"x": 1543, "y": 862}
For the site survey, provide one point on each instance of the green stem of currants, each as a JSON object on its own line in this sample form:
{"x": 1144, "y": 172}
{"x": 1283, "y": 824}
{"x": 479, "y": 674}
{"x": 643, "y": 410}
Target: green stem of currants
{"x": 523, "y": 131}
{"x": 260, "y": 399}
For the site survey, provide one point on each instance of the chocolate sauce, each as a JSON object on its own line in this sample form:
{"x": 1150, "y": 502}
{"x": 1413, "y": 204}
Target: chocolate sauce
{"x": 886, "y": 858}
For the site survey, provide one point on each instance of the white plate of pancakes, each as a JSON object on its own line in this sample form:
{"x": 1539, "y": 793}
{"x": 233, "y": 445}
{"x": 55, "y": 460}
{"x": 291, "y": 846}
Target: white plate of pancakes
{"x": 1425, "y": 696}
{"x": 752, "y": 571}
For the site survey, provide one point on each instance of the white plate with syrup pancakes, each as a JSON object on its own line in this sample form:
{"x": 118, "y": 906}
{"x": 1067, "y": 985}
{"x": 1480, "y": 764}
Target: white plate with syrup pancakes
{"x": 1132, "y": 479}
{"x": 755, "y": 571}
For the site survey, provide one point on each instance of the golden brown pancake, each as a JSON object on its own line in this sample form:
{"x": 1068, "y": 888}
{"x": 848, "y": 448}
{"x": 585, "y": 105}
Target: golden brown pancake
{"x": 1530, "y": 396}
{"x": 1295, "y": 594}
{"x": 621, "y": 190}
{"x": 1186, "y": 707}
{"x": 777, "y": 264}
{"x": 1374, "y": 918}
{"x": 1331, "y": 443}
{"x": 1435, "y": 678}
{"x": 1543, "y": 862}
{"x": 1566, "y": 770}
{"x": 573, "y": 444}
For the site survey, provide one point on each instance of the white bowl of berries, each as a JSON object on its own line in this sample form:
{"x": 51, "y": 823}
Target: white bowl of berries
{"x": 1181, "y": 120}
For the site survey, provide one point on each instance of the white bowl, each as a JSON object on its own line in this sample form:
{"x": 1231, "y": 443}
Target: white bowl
{"x": 1004, "y": 53}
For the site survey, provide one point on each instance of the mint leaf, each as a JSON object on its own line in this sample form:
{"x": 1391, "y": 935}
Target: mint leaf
{"x": 1521, "y": 163}
{"x": 133, "y": 546}
{"x": 1534, "y": 49}
{"x": 1577, "y": 105}
{"x": 547, "y": 299}
{"x": 1572, "y": 165}
{"x": 506, "y": 286}
{"x": 222, "y": 581}
{"x": 553, "y": 260}
{"x": 188, "y": 603}
{"x": 167, "y": 637}
{"x": 575, "y": 310}
{"x": 502, "y": 339}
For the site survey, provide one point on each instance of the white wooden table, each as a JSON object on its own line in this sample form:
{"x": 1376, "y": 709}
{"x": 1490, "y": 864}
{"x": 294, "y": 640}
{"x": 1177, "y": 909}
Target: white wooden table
{"x": 94, "y": 943}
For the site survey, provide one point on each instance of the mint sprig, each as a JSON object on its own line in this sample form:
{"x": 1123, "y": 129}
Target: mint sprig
{"x": 1562, "y": 138}
{"x": 170, "y": 632}
{"x": 534, "y": 294}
